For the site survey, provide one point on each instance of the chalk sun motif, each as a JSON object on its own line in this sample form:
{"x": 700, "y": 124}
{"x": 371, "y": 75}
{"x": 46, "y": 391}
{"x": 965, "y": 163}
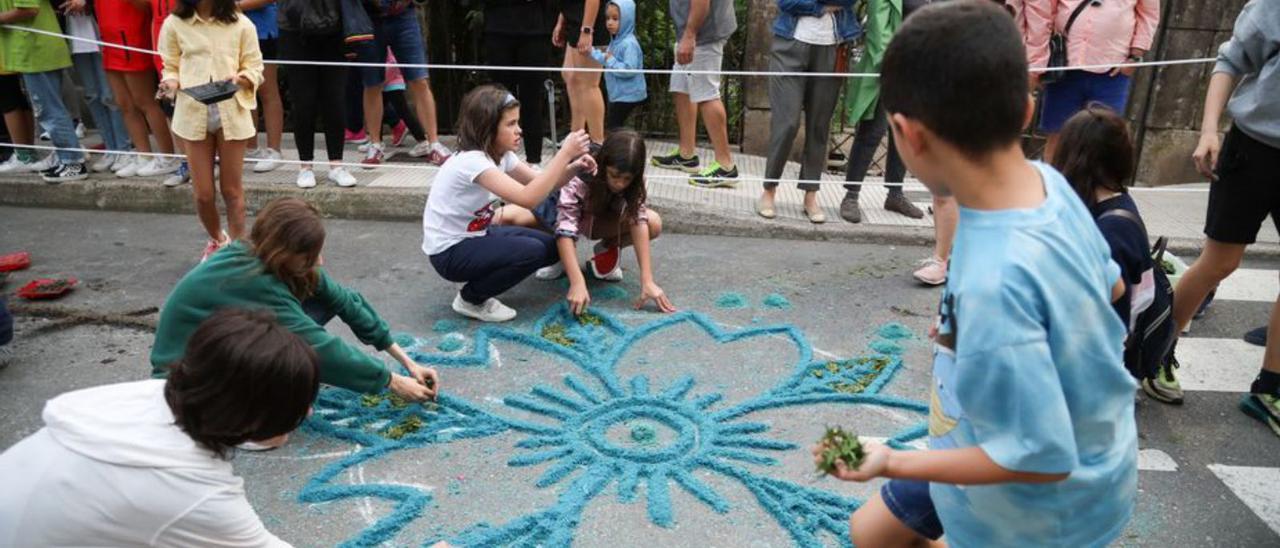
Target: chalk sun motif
{"x": 598, "y": 430}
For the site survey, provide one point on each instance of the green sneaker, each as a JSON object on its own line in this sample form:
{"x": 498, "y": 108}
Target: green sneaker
{"x": 1264, "y": 407}
{"x": 1164, "y": 386}
{"x": 715, "y": 177}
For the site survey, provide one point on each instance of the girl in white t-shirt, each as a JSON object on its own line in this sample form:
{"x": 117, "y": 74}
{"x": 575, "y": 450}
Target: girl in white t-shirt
{"x": 472, "y": 184}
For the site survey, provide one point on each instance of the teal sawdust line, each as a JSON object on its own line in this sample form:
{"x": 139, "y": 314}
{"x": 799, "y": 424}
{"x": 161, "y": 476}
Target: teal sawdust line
{"x": 608, "y": 432}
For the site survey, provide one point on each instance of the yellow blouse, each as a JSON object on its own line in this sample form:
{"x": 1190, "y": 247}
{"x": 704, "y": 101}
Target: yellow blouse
{"x": 198, "y": 51}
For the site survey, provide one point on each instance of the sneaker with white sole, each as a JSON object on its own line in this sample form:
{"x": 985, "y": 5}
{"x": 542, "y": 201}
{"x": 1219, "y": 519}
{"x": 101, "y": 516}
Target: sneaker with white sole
{"x": 553, "y": 272}
{"x": 340, "y": 176}
{"x": 606, "y": 266}
{"x": 421, "y": 149}
{"x": 104, "y": 162}
{"x": 180, "y": 177}
{"x": 491, "y": 311}
{"x": 65, "y": 172}
{"x": 43, "y": 165}
{"x": 932, "y": 271}
{"x": 160, "y": 165}
{"x": 439, "y": 154}
{"x": 373, "y": 156}
{"x": 16, "y": 165}
{"x": 270, "y": 161}
{"x": 125, "y": 159}
{"x": 133, "y": 165}
{"x": 306, "y": 179}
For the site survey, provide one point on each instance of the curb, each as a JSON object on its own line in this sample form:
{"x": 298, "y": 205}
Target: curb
{"x": 400, "y": 204}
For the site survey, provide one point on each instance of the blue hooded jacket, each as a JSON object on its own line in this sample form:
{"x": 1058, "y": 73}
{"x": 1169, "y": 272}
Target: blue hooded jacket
{"x": 624, "y": 87}
{"x": 790, "y": 11}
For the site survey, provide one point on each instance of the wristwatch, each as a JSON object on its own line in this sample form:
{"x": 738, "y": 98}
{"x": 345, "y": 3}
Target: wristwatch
{"x": 586, "y": 31}
{"x": 1134, "y": 58}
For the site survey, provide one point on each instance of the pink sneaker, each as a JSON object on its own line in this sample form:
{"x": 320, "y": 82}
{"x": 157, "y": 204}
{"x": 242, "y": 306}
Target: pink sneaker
{"x": 398, "y": 133}
{"x": 212, "y": 247}
{"x": 932, "y": 271}
{"x": 355, "y": 137}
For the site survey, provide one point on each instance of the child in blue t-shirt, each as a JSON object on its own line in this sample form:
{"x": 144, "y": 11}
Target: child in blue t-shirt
{"x": 626, "y": 89}
{"x": 1032, "y": 439}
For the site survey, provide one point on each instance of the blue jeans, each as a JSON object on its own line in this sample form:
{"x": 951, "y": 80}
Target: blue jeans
{"x": 1075, "y": 91}
{"x": 402, "y": 34}
{"x": 97, "y": 93}
{"x": 45, "y": 90}
{"x": 495, "y": 262}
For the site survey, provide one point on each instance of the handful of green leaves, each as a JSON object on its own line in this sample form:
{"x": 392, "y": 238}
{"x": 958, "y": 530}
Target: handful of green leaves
{"x": 839, "y": 446}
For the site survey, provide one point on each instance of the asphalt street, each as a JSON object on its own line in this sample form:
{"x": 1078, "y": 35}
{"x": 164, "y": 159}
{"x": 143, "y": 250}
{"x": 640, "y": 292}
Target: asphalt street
{"x": 759, "y": 321}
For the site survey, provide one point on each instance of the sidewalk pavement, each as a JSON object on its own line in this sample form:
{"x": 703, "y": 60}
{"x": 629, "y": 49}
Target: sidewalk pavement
{"x": 398, "y": 193}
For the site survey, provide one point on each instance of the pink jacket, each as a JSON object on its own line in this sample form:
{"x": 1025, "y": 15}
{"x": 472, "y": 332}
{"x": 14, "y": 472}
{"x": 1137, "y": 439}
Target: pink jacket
{"x": 573, "y": 219}
{"x": 1102, "y": 35}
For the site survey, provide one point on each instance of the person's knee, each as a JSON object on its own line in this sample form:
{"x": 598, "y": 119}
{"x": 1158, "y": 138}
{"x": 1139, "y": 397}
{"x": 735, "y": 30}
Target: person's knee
{"x": 655, "y": 225}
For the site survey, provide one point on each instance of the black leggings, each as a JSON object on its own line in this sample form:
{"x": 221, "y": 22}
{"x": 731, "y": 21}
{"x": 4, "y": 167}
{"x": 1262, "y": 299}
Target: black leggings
{"x": 524, "y": 51}
{"x": 315, "y": 91}
{"x": 11, "y": 95}
{"x": 396, "y": 109}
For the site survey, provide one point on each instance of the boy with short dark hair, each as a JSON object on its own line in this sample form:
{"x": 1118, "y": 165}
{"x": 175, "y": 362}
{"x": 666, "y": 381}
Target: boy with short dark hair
{"x": 1032, "y": 435}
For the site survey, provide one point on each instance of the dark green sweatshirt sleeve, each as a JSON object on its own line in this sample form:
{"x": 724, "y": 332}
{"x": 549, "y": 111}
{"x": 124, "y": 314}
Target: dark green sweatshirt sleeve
{"x": 354, "y": 311}
{"x": 341, "y": 364}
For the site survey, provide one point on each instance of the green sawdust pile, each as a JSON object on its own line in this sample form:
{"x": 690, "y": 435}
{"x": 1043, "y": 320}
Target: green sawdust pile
{"x": 858, "y": 385}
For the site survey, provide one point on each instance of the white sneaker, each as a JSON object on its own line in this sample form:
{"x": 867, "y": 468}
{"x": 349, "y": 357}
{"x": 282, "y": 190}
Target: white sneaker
{"x": 105, "y": 162}
{"x": 123, "y": 161}
{"x": 306, "y": 178}
{"x": 255, "y": 154}
{"x": 43, "y": 165}
{"x": 133, "y": 165}
{"x": 341, "y": 176}
{"x": 491, "y": 311}
{"x": 552, "y": 272}
{"x": 160, "y": 165}
{"x": 420, "y": 149}
{"x": 270, "y": 161}
{"x": 14, "y": 165}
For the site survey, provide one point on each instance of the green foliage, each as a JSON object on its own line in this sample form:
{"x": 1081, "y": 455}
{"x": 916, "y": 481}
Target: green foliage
{"x": 839, "y": 446}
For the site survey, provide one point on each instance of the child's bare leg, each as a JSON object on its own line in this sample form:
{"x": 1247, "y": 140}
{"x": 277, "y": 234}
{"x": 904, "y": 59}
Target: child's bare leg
{"x": 231, "y": 183}
{"x": 200, "y": 157}
{"x": 875, "y": 525}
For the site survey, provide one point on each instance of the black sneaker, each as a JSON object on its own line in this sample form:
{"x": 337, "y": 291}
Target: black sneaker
{"x": 715, "y": 177}
{"x": 65, "y": 172}
{"x": 676, "y": 161}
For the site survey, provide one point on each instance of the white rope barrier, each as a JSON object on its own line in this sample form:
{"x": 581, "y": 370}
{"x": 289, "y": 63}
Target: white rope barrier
{"x": 648, "y": 176}
{"x": 740, "y": 73}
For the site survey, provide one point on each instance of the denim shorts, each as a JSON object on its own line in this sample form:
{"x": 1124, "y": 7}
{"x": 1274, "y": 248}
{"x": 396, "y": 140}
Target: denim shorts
{"x": 403, "y": 35}
{"x": 547, "y": 211}
{"x": 909, "y": 501}
{"x": 1076, "y": 90}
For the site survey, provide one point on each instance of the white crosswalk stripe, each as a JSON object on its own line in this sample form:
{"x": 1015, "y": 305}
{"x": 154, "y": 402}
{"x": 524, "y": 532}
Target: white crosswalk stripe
{"x": 1257, "y": 487}
{"x": 1211, "y": 364}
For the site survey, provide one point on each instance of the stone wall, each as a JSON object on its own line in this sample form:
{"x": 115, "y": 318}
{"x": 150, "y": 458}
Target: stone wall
{"x": 1167, "y": 103}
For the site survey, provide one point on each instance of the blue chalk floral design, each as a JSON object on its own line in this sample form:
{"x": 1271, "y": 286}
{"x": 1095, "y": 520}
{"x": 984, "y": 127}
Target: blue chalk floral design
{"x": 667, "y": 432}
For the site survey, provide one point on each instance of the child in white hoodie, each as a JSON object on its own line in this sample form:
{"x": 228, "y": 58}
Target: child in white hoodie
{"x": 146, "y": 463}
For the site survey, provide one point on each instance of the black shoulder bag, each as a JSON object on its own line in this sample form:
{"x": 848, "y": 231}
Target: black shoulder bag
{"x": 1058, "y": 44}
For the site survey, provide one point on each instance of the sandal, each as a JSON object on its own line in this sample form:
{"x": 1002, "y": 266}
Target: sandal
{"x": 15, "y": 261}
{"x": 767, "y": 212}
{"x": 47, "y": 288}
